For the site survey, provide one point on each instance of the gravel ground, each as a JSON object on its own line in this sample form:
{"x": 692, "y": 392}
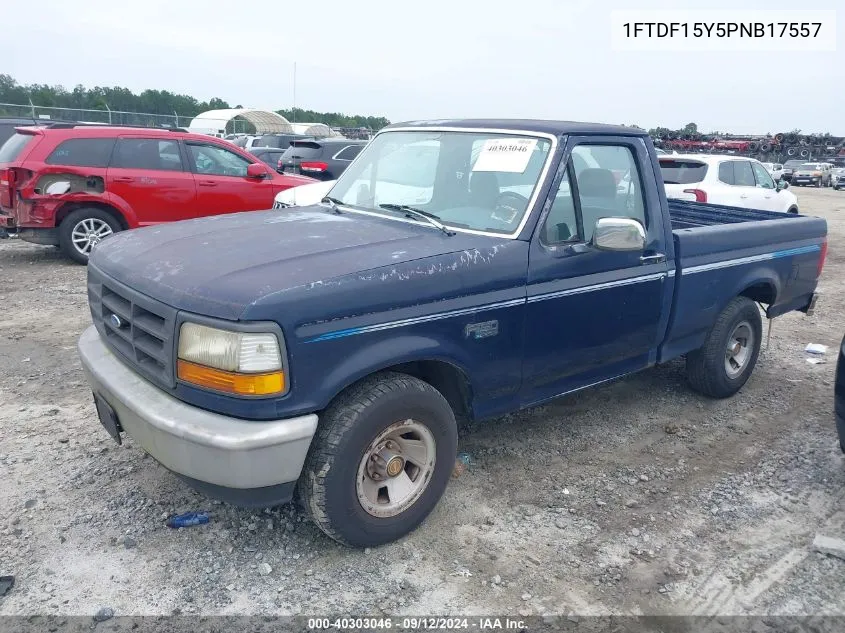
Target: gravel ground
{"x": 640, "y": 497}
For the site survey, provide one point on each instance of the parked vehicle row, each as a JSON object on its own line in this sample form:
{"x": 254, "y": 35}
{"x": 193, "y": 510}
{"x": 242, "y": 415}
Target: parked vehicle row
{"x": 813, "y": 174}
{"x": 727, "y": 180}
{"x": 323, "y": 159}
{"x": 775, "y": 170}
{"x": 464, "y": 268}
{"x": 72, "y": 186}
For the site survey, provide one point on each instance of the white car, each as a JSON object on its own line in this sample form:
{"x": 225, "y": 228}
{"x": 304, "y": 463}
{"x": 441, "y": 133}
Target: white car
{"x": 730, "y": 180}
{"x": 775, "y": 170}
{"x": 303, "y": 195}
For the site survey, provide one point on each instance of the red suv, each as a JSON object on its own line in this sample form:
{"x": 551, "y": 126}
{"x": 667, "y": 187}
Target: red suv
{"x": 72, "y": 185}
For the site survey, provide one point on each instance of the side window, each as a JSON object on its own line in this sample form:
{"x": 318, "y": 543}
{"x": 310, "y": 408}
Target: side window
{"x": 216, "y": 161}
{"x": 764, "y": 180}
{"x": 82, "y": 152}
{"x": 561, "y": 224}
{"x": 348, "y": 153}
{"x": 726, "y": 172}
{"x": 608, "y": 184}
{"x": 743, "y": 174}
{"x": 145, "y": 153}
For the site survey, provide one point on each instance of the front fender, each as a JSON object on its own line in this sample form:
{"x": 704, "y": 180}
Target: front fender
{"x": 389, "y": 353}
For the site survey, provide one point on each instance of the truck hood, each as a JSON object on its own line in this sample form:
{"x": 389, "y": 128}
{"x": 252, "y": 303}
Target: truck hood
{"x": 218, "y": 266}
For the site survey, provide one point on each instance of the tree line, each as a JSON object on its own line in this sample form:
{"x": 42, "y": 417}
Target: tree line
{"x": 162, "y": 102}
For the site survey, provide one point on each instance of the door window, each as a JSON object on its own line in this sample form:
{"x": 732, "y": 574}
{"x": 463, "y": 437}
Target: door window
{"x": 561, "y": 224}
{"x": 348, "y": 153}
{"x": 607, "y": 182}
{"x": 82, "y": 152}
{"x": 764, "y": 180}
{"x": 144, "y": 153}
{"x": 743, "y": 174}
{"x": 211, "y": 160}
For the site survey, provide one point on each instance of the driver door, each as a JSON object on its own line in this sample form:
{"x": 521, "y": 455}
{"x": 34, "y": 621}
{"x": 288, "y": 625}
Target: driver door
{"x": 222, "y": 183}
{"x": 593, "y": 314}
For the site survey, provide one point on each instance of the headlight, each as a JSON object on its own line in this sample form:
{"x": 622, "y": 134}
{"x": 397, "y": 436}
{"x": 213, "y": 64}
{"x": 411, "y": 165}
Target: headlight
{"x": 242, "y": 363}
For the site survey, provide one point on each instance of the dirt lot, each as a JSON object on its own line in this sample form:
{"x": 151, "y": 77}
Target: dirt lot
{"x": 637, "y": 498}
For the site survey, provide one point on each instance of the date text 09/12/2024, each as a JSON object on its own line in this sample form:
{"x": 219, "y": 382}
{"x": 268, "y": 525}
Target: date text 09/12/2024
{"x": 416, "y": 623}
{"x": 722, "y": 29}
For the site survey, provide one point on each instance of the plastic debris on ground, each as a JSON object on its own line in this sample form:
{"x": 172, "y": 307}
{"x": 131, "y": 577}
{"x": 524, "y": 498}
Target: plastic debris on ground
{"x": 188, "y": 519}
{"x": 816, "y": 348}
{"x": 6, "y": 584}
{"x": 461, "y": 464}
{"x": 816, "y": 361}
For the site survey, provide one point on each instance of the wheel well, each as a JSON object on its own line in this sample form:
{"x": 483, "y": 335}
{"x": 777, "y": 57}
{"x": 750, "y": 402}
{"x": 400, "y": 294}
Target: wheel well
{"x": 70, "y": 208}
{"x": 762, "y": 292}
{"x": 448, "y": 379}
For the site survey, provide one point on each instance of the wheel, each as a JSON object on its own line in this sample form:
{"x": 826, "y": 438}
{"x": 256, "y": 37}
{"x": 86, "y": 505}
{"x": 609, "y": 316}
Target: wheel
{"x": 723, "y": 364}
{"x": 793, "y": 210}
{"x": 83, "y": 229}
{"x": 380, "y": 461}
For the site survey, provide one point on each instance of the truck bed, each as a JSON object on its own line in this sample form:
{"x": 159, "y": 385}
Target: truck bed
{"x": 721, "y": 252}
{"x": 686, "y": 215}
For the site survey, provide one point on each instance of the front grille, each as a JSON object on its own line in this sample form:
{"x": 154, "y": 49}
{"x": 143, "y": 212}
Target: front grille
{"x": 142, "y": 332}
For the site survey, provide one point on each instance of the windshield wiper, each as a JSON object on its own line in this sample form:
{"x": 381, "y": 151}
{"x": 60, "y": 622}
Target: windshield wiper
{"x": 334, "y": 202}
{"x": 411, "y": 212}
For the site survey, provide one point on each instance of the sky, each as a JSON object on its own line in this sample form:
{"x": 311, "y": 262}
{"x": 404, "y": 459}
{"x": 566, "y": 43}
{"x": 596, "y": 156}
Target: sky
{"x": 433, "y": 59}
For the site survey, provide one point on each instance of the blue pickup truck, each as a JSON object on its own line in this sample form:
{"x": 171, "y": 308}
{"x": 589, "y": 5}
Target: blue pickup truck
{"x": 457, "y": 269}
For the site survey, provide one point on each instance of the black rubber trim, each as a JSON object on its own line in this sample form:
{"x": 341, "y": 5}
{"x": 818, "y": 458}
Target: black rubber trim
{"x": 265, "y": 497}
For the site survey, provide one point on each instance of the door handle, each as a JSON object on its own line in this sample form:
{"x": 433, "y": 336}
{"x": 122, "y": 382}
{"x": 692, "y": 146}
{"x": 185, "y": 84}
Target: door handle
{"x": 657, "y": 258}
{"x": 743, "y": 196}
{"x": 123, "y": 179}
{"x": 207, "y": 183}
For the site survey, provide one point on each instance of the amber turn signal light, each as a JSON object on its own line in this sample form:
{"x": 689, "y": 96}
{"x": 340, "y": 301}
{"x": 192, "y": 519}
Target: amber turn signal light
{"x": 229, "y": 382}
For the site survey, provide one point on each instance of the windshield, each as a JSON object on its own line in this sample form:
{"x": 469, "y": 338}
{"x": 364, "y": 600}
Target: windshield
{"x": 472, "y": 180}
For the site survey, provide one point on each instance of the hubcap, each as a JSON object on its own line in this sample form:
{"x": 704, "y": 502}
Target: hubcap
{"x": 738, "y": 351}
{"x": 88, "y": 233}
{"x": 396, "y": 469}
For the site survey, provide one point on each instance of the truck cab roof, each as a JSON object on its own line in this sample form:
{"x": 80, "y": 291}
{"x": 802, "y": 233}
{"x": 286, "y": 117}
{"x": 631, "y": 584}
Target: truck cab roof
{"x": 552, "y": 127}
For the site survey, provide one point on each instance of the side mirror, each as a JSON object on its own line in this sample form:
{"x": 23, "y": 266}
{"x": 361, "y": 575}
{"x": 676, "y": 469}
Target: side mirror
{"x": 256, "y": 170}
{"x": 619, "y": 234}
{"x": 782, "y": 184}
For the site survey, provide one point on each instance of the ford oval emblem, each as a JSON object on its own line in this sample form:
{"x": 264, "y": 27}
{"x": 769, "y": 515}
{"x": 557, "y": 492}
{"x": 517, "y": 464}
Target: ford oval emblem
{"x": 116, "y": 321}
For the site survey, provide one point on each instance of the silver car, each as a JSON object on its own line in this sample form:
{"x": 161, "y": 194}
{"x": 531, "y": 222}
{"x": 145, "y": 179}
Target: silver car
{"x": 837, "y": 178}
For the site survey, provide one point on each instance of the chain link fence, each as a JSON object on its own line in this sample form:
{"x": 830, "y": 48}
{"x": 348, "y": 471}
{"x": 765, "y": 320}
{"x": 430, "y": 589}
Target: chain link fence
{"x": 111, "y": 117}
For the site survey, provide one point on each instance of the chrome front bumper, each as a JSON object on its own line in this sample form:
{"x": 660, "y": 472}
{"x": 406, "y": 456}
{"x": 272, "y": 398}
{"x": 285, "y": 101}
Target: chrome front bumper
{"x": 203, "y": 446}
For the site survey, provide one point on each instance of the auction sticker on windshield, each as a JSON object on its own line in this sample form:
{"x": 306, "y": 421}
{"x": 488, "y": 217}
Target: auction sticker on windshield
{"x": 505, "y": 155}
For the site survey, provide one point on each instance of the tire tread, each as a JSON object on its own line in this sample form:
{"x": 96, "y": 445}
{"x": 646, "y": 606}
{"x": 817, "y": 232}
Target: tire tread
{"x": 340, "y": 416}
{"x": 705, "y": 364}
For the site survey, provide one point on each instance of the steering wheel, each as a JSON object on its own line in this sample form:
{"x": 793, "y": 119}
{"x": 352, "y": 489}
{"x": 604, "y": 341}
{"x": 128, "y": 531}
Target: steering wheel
{"x": 509, "y": 207}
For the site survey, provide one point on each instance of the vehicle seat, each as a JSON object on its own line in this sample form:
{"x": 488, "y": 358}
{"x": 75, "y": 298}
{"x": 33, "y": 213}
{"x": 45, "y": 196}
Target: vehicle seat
{"x": 597, "y": 190}
{"x": 483, "y": 189}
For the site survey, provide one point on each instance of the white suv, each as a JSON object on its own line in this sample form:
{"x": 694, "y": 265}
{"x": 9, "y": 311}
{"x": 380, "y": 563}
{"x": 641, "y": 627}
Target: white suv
{"x": 728, "y": 180}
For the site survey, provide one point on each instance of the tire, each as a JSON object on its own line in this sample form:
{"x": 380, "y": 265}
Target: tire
{"x": 77, "y": 224}
{"x": 335, "y": 473}
{"x": 793, "y": 210}
{"x": 707, "y": 367}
